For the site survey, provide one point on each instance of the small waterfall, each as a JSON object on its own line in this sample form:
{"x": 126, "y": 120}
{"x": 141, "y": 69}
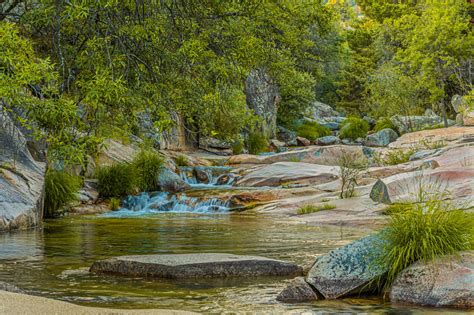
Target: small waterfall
{"x": 207, "y": 176}
{"x": 160, "y": 202}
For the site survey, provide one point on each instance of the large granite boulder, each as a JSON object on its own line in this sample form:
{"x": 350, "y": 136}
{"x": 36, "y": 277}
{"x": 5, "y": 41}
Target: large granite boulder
{"x": 284, "y": 173}
{"x": 413, "y": 123}
{"x": 263, "y": 97}
{"x": 381, "y": 138}
{"x": 347, "y": 270}
{"x": 171, "y": 182}
{"x": 287, "y": 136}
{"x": 318, "y": 110}
{"x": 297, "y": 291}
{"x": 21, "y": 180}
{"x": 445, "y": 282}
{"x": 327, "y": 140}
{"x": 202, "y": 265}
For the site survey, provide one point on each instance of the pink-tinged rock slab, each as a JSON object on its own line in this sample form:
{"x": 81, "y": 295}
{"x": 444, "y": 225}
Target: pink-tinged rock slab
{"x": 447, "y": 183}
{"x": 444, "y": 282}
{"x": 289, "y": 173}
{"x": 442, "y": 134}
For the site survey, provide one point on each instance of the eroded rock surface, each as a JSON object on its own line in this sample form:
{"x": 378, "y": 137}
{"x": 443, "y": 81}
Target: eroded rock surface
{"x": 347, "y": 270}
{"x": 444, "y": 282}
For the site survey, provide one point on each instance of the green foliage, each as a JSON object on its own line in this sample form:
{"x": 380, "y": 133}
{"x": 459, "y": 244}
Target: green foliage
{"x": 257, "y": 143}
{"x": 114, "y": 204}
{"x": 238, "y": 147}
{"x": 312, "y": 130}
{"x": 294, "y": 159}
{"x": 384, "y": 123}
{"x": 353, "y": 128}
{"x": 306, "y": 209}
{"x": 397, "y": 208}
{"x": 148, "y": 165}
{"x": 181, "y": 160}
{"x": 60, "y": 189}
{"x": 116, "y": 180}
{"x": 395, "y": 157}
{"x": 423, "y": 232}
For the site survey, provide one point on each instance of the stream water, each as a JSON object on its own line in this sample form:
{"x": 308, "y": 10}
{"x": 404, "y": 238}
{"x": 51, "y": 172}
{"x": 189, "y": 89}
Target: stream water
{"x": 53, "y": 261}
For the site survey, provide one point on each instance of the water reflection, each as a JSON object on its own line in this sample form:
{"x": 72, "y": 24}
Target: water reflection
{"x": 54, "y": 262}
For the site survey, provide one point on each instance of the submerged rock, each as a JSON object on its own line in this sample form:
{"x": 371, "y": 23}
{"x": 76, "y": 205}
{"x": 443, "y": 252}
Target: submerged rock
{"x": 382, "y": 138}
{"x": 444, "y": 282}
{"x": 297, "y": 291}
{"x": 4, "y": 286}
{"x": 347, "y": 270}
{"x": 202, "y": 265}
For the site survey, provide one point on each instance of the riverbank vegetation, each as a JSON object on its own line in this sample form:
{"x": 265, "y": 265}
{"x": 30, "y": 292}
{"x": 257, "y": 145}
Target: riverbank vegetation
{"x": 78, "y": 72}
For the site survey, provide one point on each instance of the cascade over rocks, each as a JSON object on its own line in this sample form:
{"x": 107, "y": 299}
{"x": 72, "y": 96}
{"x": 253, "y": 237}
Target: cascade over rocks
{"x": 445, "y": 282}
{"x": 21, "y": 180}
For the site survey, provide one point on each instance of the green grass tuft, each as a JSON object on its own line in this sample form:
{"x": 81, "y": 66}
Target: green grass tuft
{"x": 181, "y": 160}
{"x": 312, "y": 130}
{"x": 423, "y": 232}
{"x": 60, "y": 189}
{"x": 148, "y": 165}
{"x": 353, "y": 128}
{"x": 384, "y": 123}
{"x": 116, "y": 180}
{"x": 114, "y": 204}
{"x": 257, "y": 143}
{"x": 395, "y": 157}
{"x": 306, "y": 209}
{"x": 237, "y": 147}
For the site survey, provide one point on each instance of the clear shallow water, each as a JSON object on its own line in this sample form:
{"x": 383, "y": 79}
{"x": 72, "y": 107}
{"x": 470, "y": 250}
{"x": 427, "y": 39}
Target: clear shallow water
{"x": 53, "y": 262}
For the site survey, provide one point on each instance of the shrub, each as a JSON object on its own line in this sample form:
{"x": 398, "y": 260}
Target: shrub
{"x": 351, "y": 167}
{"x": 148, "y": 165}
{"x": 306, "y": 209}
{"x": 395, "y": 157}
{"x": 312, "y": 130}
{"x": 294, "y": 159}
{"x": 257, "y": 143}
{"x": 427, "y": 230}
{"x": 114, "y": 204}
{"x": 384, "y": 123}
{"x": 116, "y": 180}
{"x": 181, "y": 160}
{"x": 237, "y": 147}
{"x": 353, "y": 128}
{"x": 60, "y": 189}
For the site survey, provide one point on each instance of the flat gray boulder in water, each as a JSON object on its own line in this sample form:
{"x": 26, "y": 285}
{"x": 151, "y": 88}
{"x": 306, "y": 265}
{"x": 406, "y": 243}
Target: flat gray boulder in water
{"x": 347, "y": 270}
{"x": 202, "y": 265}
{"x": 445, "y": 282}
